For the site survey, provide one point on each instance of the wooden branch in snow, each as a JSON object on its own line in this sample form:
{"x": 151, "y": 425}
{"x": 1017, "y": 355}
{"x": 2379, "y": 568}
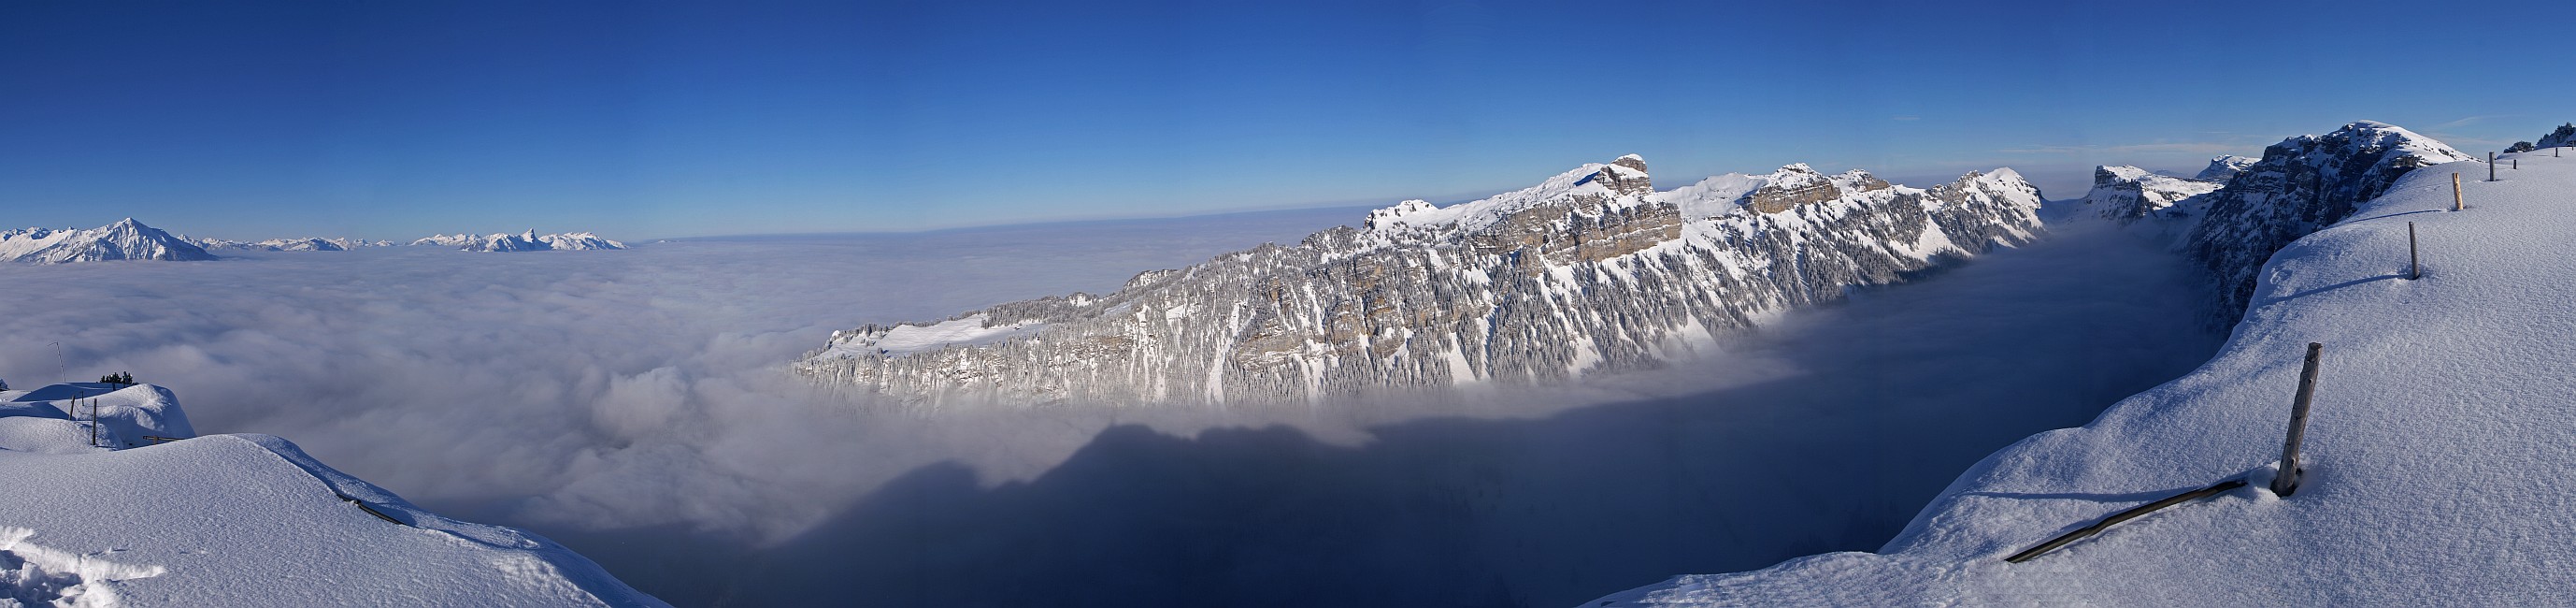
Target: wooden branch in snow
{"x": 2116, "y": 518}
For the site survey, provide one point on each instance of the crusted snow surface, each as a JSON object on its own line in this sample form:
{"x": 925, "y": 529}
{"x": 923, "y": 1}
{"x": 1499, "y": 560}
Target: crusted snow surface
{"x": 136, "y": 510}
{"x": 2438, "y": 458}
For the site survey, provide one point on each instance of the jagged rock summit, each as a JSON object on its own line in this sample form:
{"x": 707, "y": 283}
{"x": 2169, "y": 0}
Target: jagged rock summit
{"x": 124, "y": 240}
{"x": 1590, "y": 271}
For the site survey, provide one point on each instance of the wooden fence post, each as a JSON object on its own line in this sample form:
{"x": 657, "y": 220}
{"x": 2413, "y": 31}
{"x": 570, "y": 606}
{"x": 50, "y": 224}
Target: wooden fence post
{"x": 2491, "y": 166}
{"x": 2456, "y": 203}
{"x": 2287, "y": 482}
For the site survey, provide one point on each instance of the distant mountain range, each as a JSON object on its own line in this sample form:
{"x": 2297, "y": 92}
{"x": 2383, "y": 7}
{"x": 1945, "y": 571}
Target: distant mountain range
{"x": 527, "y": 241}
{"x": 131, "y": 240}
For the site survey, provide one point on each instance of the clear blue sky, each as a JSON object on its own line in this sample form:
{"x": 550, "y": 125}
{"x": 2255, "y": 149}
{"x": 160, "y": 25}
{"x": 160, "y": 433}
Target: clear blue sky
{"x": 641, "y": 119}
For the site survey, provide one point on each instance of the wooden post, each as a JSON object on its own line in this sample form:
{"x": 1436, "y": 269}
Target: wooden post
{"x": 2491, "y": 166}
{"x": 2414, "y": 269}
{"x": 2456, "y": 203}
{"x": 2287, "y": 482}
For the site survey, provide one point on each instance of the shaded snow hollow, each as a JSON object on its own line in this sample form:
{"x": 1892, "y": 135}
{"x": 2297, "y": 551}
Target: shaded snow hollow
{"x": 2438, "y": 455}
{"x": 236, "y": 520}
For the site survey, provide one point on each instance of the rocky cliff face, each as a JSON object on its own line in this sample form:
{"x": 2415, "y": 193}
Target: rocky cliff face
{"x": 2302, "y": 184}
{"x": 1591, "y": 271}
{"x": 124, "y": 240}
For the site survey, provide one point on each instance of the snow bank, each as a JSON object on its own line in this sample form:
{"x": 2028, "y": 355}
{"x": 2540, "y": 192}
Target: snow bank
{"x": 2439, "y": 466}
{"x": 237, "y": 520}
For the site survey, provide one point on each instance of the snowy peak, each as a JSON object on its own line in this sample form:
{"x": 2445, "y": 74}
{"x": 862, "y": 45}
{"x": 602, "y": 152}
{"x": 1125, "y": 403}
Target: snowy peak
{"x": 2126, "y": 194}
{"x": 2224, "y": 167}
{"x": 1798, "y": 184}
{"x": 1620, "y": 184}
{"x": 124, "y": 240}
{"x": 525, "y": 241}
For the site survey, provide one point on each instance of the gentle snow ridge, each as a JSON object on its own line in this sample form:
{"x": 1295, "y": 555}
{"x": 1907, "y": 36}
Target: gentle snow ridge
{"x": 237, "y": 520}
{"x": 2439, "y": 470}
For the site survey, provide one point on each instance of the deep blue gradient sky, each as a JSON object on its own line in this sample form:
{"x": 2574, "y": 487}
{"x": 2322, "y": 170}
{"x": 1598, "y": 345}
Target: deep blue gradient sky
{"x": 642, "y": 120}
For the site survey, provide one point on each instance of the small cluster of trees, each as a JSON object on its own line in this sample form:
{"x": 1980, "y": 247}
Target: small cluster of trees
{"x": 126, "y": 378}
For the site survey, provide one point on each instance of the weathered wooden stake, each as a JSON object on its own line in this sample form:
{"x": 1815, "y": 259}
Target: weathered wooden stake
{"x": 2414, "y": 268}
{"x": 2456, "y": 203}
{"x": 2491, "y": 166}
{"x": 2287, "y": 482}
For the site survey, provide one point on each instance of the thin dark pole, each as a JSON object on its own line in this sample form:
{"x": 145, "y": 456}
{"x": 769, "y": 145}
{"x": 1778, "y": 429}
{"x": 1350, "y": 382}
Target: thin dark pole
{"x": 2414, "y": 265}
{"x": 2491, "y": 166}
{"x": 2287, "y": 482}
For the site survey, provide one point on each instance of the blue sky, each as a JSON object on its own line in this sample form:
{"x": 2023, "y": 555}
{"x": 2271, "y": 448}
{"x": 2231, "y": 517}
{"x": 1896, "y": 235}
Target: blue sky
{"x": 643, "y": 120}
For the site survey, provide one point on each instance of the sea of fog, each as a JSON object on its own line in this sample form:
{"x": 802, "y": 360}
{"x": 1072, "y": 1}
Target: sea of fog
{"x": 633, "y": 404}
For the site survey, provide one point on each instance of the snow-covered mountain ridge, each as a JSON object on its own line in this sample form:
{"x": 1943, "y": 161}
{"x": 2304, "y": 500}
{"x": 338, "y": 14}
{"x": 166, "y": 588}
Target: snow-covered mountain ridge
{"x": 2302, "y": 184}
{"x": 124, "y": 240}
{"x": 2437, "y": 461}
{"x": 299, "y": 244}
{"x": 527, "y": 241}
{"x": 2124, "y": 194}
{"x": 140, "y": 511}
{"x": 1589, "y": 271}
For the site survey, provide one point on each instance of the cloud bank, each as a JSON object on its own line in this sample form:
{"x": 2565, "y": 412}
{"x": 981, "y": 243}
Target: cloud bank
{"x": 633, "y": 404}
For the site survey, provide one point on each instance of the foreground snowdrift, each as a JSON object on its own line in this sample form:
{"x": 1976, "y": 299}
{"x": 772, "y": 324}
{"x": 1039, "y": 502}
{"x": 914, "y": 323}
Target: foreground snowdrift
{"x": 237, "y": 520}
{"x": 2440, "y": 466}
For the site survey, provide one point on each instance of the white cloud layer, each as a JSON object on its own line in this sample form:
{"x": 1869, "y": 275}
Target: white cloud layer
{"x": 634, "y": 405}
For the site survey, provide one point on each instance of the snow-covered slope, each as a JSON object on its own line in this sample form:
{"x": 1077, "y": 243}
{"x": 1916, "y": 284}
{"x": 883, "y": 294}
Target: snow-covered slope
{"x": 528, "y": 241}
{"x": 236, "y": 520}
{"x": 2302, "y": 184}
{"x": 124, "y": 240}
{"x": 2438, "y": 458}
{"x": 1589, "y": 271}
{"x": 2125, "y": 194}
